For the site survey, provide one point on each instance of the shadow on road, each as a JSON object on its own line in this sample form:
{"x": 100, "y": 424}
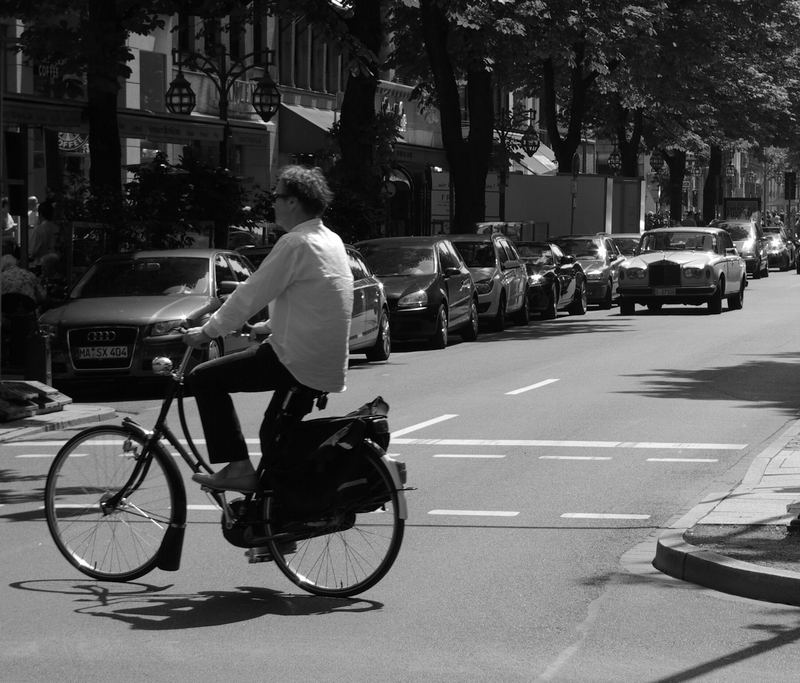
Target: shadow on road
{"x": 147, "y": 607}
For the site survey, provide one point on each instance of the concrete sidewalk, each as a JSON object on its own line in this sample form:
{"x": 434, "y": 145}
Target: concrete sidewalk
{"x": 771, "y": 484}
{"x": 71, "y": 415}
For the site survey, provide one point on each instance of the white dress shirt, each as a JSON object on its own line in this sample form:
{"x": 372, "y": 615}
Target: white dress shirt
{"x": 307, "y": 282}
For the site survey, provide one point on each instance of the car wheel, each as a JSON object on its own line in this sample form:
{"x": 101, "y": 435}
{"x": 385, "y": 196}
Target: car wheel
{"x": 654, "y": 307}
{"x": 499, "y": 321}
{"x": 608, "y": 300}
{"x": 736, "y": 301}
{"x": 765, "y": 273}
{"x": 439, "y": 338}
{"x": 627, "y": 307}
{"x": 757, "y": 270}
{"x": 798, "y": 265}
{"x": 383, "y": 344}
{"x": 786, "y": 264}
{"x": 470, "y": 331}
{"x": 551, "y": 311}
{"x": 715, "y": 302}
{"x": 523, "y": 316}
{"x": 579, "y": 304}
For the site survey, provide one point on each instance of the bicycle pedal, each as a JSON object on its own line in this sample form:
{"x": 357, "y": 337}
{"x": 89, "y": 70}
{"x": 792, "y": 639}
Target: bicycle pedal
{"x": 256, "y": 555}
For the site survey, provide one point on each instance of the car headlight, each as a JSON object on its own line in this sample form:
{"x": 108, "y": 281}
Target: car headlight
{"x": 633, "y": 274}
{"x": 48, "y": 329}
{"x": 693, "y": 273}
{"x": 418, "y": 299}
{"x": 165, "y": 327}
{"x": 484, "y": 286}
{"x": 595, "y": 274}
{"x": 535, "y": 279}
{"x": 748, "y": 247}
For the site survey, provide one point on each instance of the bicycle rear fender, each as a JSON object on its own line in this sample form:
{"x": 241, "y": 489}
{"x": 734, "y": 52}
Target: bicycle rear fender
{"x": 397, "y": 473}
{"x": 169, "y": 554}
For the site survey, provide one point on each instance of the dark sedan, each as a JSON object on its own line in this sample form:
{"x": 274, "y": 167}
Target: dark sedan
{"x": 556, "y": 281}
{"x": 600, "y": 259}
{"x": 129, "y": 308}
{"x": 429, "y": 288}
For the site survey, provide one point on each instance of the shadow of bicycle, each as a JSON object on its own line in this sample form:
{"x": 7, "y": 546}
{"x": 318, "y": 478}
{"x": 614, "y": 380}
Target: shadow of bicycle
{"x": 146, "y": 607}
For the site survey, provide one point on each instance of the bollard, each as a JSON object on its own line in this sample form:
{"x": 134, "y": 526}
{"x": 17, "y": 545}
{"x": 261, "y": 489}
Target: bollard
{"x": 37, "y": 357}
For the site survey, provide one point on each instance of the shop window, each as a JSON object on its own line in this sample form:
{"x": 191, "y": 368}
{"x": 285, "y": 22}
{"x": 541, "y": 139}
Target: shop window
{"x": 153, "y": 80}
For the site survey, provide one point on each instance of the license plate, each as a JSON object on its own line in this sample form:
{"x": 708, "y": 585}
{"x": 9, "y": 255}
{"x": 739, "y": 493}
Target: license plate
{"x": 664, "y": 291}
{"x": 101, "y": 352}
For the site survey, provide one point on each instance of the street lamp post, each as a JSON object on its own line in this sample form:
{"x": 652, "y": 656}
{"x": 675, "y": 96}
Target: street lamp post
{"x": 508, "y": 126}
{"x": 223, "y": 71}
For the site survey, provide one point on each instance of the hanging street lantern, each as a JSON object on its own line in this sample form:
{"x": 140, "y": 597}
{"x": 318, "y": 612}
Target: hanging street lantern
{"x": 530, "y": 140}
{"x": 180, "y": 98}
{"x": 656, "y": 160}
{"x": 266, "y": 97}
{"x": 615, "y": 161}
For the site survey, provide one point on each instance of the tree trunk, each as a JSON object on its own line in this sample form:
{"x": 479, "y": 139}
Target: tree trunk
{"x": 468, "y": 160}
{"x": 676, "y": 162}
{"x": 712, "y": 190}
{"x": 357, "y": 122}
{"x": 629, "y": 147}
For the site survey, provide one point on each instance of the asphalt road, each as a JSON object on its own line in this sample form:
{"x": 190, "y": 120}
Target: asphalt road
{"x": 545, "y": 459}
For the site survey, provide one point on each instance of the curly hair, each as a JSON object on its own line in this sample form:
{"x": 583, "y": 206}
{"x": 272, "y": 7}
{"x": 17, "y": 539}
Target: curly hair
{"x": 309, "y": 186}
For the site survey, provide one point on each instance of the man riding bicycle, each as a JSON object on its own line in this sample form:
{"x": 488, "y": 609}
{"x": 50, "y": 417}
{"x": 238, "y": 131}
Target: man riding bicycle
{"x": 307, "y": 283}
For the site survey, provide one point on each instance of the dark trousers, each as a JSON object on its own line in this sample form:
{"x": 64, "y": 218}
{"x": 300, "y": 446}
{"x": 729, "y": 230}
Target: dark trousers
{"x": 212, "y": 383}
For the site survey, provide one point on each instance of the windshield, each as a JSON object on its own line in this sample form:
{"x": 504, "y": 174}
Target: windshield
{"x": 627, "y": 245}
{"x": 678, "y": 241}
{"x": 154, "y": 276}
{"x": 393, "y": 259}
{"x": 476, "y": 254}
{"x": 737, "y": 231}
{"x": 582, "y": 248}
{"x": 536, "y": 255}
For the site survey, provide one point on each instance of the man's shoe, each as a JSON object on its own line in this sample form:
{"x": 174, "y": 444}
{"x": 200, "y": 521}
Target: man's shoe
{"x": 220, "y": 481}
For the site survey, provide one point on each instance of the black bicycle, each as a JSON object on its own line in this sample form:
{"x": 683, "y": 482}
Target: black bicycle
{"x": 330, "y": 511}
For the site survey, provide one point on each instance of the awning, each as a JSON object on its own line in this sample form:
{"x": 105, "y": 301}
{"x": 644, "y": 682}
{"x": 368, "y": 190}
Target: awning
{"x": 541, "y": 163}
{"x": 304, "y": 130}
{"x": 63, "y": 115}
{"x": 168, "y": 127}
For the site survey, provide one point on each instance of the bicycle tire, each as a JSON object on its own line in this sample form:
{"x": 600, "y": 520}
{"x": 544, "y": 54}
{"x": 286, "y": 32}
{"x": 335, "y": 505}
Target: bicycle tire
{"x": 348, "y": 550}
{"x": 111, "y": 545}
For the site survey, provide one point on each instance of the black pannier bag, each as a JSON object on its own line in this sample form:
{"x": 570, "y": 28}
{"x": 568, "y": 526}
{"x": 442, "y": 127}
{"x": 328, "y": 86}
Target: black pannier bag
{"x": 320, "y": 464}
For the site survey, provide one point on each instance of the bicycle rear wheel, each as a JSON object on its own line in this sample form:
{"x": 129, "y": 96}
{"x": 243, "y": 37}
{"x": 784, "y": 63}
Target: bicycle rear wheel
{"x": 120, "y": 543}
{"x": 352, "y": 547}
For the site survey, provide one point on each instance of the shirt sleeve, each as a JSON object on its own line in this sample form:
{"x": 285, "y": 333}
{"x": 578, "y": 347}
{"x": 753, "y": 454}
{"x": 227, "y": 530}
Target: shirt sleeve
{"x": 276, "y": 273}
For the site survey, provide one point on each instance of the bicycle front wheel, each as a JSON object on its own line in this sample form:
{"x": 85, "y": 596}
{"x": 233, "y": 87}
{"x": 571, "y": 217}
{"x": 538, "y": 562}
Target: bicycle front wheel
{"x": 111, "y": 543}
{"x": 350, "y": 548}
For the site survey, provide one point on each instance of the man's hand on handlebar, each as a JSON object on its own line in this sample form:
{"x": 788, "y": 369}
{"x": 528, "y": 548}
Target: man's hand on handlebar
{"x": 195, "y": 337}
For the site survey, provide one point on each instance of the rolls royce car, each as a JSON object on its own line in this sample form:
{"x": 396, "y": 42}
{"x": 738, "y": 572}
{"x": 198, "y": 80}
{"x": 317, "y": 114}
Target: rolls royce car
{"x": 129, "y": 308}
{"x": 683, "y": 265}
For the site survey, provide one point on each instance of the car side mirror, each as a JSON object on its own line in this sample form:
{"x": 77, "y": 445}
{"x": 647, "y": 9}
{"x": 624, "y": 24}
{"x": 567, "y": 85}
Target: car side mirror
{"x": 510, "y": 264}
{"x": 567, "y": 258}
{"x": 451, "y": 272}
{"x": 731, "y": 251}
{"x": 226, "y": 288}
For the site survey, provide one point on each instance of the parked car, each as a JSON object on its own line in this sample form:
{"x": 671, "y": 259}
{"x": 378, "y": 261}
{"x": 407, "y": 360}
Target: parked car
{"x": 600, "y": 259}
{"x": 428, "y": 286}
{"x": 781, "y": 247}
{"x": 749, "y": 240}
{"x": 370, "y": 326}
{"x": 500, "y": 277}
{"x": 627, "y": 242}
{"x": 129, "y": 308}
{"x": 556, "y": 281}
{"x": 255, "y": 253}
{"x": 683, "y": 265}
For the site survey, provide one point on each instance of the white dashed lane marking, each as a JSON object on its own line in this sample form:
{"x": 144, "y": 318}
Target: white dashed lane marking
{"x": 522, "y": 390}
{"x": 551, "y": 443}
{"x": 422, "y": 425}
{"x": 475, "y": 513}
{"x": 602, "y": 515}
{"x": 468, "y": 455}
